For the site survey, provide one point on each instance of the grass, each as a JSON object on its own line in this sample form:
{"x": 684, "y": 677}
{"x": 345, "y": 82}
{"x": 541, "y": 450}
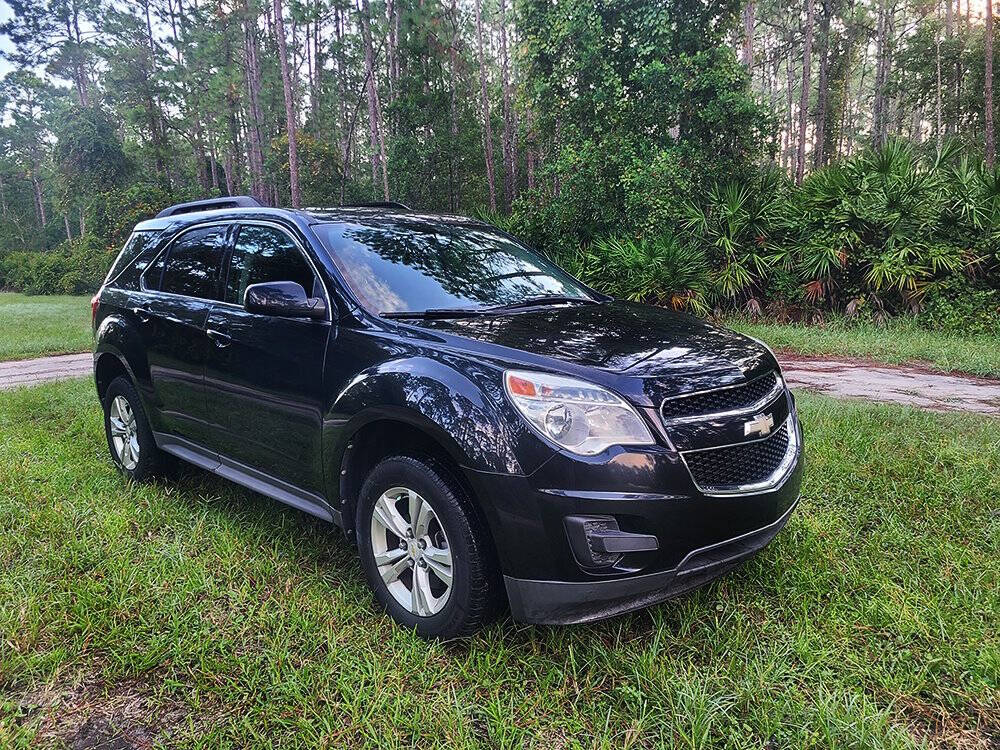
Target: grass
{"x": 193, "y": 613}
{"x": 37, "y": 326}
{"x": 896, "y": 343}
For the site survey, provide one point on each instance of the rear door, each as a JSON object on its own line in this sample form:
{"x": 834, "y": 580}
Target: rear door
{"x": 264, "y": 374}
{"x": 179, "y": 290}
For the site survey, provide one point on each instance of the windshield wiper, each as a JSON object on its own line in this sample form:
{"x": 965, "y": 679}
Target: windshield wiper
{"x": 436, "y": 312}
{"x": 546, "y": 299}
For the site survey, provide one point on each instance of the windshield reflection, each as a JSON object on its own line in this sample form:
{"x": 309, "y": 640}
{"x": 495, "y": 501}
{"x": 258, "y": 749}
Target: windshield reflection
{"x": 400, "y": 265}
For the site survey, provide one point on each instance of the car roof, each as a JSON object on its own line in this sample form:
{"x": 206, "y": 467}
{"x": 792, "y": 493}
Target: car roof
{"x": 336, "y": 214}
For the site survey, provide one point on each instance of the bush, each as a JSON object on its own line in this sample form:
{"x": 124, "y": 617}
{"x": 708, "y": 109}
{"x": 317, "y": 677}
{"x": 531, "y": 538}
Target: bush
{"x": 74, "y": 267}
{"x": 960, "y": 306}
{"x": 663, "y": 270}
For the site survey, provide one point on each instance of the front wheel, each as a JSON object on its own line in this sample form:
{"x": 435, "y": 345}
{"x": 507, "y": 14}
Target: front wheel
{"x": 424, "y": 551}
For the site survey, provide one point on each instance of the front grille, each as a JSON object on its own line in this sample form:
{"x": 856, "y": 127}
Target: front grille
{"x": 720, "y": 400}
{"x": 739, "y": 466}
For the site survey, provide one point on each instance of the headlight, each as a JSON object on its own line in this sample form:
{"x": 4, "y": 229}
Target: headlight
{"x": 579, "y": 416}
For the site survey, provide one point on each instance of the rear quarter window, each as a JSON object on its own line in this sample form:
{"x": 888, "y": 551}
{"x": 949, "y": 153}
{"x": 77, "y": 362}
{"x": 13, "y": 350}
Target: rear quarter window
{"x": 135, "y": 256}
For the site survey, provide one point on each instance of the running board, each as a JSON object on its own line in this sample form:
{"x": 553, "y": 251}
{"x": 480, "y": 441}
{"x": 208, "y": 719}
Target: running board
{"x": 252, "y": 479}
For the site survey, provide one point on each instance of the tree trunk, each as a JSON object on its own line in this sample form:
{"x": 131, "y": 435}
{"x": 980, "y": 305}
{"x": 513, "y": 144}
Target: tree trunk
{"x": 374, "y": 124}
{"x": 509, "y": 144}
{"x": 988, "y": 87}
{"x": 254, "y": 126}
{"x": 748, "y": 32}
{"x": 786, "y": 154}
{"x": 804, "y": 99}
{"x": 485, "y": 106}
{"x": 938, "y": 131}
{"x": 3, "y": 199}
{"x": 823, "y": 94}
{"x": 80, "y": 73}
{"x": 290, "y": 118}
{"x": 69, "y": 234}
{"x": 880, "y": 115}
{"x": 453, "y": 109}
{"x": 36, "y": 185}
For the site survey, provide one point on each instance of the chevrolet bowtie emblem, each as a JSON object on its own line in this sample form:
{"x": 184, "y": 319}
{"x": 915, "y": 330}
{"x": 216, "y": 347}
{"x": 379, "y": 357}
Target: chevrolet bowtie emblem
{"x": 759, "y": 425}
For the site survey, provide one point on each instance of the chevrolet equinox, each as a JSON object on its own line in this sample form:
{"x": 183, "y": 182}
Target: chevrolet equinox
{"x": 486, "y": 429}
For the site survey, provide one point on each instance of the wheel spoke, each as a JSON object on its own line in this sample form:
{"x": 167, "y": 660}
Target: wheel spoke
{"x": 421, "y": 594}
{"x": 389, "y": 556}
{"x": 439, "y": 560}
{"x": 392, "y": 571}
{"x": 117, "y": 426}
{"x": 420, "y": 514}
{"x": 385, "y": 513}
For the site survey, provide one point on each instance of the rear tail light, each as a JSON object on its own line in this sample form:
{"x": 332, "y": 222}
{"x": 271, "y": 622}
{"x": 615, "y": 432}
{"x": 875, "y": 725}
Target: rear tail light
{"x": 94, "y": 302}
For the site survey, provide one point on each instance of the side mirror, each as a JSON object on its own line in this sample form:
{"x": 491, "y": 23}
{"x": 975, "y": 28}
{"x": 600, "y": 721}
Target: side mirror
{"x": 283, "y": 299}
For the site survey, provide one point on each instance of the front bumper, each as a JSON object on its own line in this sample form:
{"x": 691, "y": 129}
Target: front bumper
{"x": 649, "y": 492}
{"x": 569, "y": 602}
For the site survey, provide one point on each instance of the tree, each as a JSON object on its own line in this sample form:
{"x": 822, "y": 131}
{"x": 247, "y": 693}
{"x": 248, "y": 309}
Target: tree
{"x": 988, "y": 86}
{"x": 290, "y": 117}
{"x": 484, "y": 101}
{"x": 804, "y": 97}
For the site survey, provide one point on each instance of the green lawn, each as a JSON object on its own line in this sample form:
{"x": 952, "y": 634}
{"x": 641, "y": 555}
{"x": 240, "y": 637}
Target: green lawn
{"x": 898, "y": 342}
{"x": 36, "y": 326}
{"x": 192, "y": 612}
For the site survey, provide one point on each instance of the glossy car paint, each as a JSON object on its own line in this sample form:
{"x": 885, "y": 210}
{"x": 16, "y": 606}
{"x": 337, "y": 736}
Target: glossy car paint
{"x": 283, "y": 399}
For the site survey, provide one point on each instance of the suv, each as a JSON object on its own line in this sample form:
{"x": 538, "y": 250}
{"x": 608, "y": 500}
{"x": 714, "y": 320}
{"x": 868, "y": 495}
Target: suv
{"x": 485, "y": 428}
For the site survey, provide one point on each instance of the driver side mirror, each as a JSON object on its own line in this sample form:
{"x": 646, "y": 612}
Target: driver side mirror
{"x": 283, "y": 299}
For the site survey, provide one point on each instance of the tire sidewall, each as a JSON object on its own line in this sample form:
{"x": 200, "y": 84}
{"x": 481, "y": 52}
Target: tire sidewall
{"x": 423, "y": 479}
{"x": 148, "y": 452}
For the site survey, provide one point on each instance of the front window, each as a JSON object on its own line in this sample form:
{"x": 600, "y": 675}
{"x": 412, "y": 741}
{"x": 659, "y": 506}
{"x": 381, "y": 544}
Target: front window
{"x": 262, "y": 254}
{"x": 401, "y": 265}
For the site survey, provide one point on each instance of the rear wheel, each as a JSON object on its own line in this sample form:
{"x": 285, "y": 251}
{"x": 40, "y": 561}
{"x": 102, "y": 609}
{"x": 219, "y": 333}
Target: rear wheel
{"x": 423, "y": 550}
{"x": 130, "y": 438}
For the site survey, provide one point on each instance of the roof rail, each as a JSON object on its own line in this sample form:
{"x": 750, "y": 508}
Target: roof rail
{"x": 377, "y": 204}
{"x": 210, "y": 204}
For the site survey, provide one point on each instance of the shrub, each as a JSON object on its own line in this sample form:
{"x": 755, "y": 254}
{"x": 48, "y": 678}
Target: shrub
{"x": 74, "y": 267}
{"x": 662, "y": 270}
{"x": 961, "y": 306}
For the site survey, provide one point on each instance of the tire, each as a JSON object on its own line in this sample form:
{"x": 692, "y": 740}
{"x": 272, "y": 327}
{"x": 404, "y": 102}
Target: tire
{"x": 440, "y": 609}
{"x": 141, "y": 459}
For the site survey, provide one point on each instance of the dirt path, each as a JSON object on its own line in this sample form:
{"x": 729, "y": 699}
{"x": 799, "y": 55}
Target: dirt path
{"x": 841, "y": 377}
{"x": 897, "y": 384}
{"x": 34, "y": 371}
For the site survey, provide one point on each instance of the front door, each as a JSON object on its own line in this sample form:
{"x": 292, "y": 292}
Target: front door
{"x": 264, "y": 374}
{"x": 179, "y": 291}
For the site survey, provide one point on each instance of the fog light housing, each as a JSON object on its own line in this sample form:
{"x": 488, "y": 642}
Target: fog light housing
{"x": 598, "y": 543}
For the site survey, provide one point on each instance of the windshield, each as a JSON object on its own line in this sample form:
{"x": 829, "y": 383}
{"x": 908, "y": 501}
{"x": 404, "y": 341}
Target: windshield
{"x": 412, "y": 265}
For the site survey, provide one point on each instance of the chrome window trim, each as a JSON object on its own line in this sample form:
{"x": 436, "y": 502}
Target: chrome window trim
{"x": 761, "y": 403}
{"x": 228, "y": 222}
{"x": 773, "y": 482}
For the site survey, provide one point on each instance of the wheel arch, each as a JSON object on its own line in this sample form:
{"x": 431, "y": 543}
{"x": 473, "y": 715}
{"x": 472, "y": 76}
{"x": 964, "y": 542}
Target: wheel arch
{"x": 394, "y": 435}
{"x": 107, "y": 367}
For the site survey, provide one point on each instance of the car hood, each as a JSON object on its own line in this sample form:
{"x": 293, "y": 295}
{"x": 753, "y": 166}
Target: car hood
{"x": 619, "y": 337}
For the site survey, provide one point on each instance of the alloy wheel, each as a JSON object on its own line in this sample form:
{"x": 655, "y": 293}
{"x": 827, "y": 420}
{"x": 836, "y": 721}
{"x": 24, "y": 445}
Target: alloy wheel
{"x": 124, "y": 433}
{"x": 411, "y": 551}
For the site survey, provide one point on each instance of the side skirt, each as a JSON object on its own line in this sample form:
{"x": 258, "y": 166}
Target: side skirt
{"x": 251, "y": 478}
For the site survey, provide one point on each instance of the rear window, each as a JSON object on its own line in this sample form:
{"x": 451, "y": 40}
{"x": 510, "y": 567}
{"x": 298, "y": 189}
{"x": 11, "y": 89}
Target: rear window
{"x": 192, "y": 264}
{"x": 133, "y": 259}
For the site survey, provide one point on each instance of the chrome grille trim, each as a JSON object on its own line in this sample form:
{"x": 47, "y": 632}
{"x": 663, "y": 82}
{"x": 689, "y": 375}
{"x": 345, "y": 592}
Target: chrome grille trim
{"x": 757, "y": 406}
{"x": 772, "y": 482}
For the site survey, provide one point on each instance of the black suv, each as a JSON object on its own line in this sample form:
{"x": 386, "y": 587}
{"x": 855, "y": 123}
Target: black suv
{"x": 476, "y": 420}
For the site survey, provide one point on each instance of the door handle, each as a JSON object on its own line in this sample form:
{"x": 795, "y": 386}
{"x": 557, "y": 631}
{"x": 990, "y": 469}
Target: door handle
{"x": 221, "y": 339}
{"x": 142, "y": 313}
